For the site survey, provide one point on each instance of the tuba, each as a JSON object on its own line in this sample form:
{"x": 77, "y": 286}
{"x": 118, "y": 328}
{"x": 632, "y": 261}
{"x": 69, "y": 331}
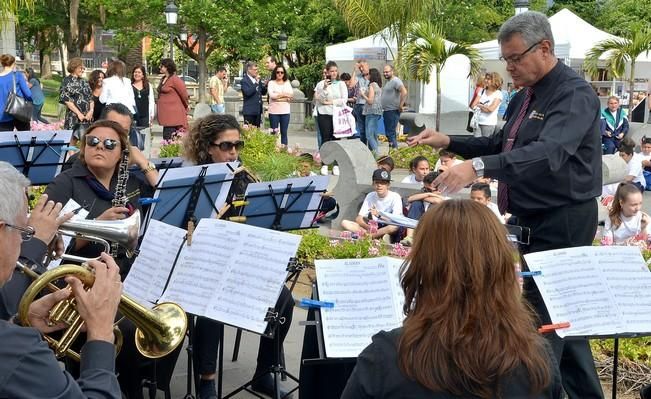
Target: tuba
{"x": 159, "y": 330}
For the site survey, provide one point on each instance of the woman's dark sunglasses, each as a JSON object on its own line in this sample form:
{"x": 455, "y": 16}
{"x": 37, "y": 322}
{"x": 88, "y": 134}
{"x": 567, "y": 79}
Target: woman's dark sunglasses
{"x": 228, "y": 145}
{"x": 280, "y": 73}
{"x": 109, "y": 144}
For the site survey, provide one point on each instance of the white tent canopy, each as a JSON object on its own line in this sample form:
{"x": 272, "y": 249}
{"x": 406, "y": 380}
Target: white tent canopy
{"x": 455, "y": 84}
{"x": 573, "y": 38}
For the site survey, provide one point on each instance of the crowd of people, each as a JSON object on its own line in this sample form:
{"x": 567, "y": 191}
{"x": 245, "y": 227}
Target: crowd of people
{"x": 546, "y": 172}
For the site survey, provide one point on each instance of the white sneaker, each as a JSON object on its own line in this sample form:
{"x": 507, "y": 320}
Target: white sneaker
{"x": 324, "y": 170}
{"x": 335, "y": 170}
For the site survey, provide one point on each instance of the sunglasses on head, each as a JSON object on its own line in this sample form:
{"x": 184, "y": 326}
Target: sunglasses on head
{"x": 229, "y": 145}
{"x": 109, "y": 144}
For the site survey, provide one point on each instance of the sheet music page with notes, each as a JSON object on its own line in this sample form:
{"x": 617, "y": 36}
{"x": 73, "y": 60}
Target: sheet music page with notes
{"x": 367, "y": 298}
{"x": 232, "y": 272}
{"x": 598, "y": 290}
{"x": 152, "y": 266}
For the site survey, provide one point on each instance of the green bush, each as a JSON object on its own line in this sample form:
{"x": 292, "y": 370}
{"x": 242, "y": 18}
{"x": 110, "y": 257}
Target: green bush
{"x": 308, "y": 75}
{"x": 261, "y": 156}
{"x": 309, "y": 123}
{"x": 316, "y": 246}
{"x": 403, "y": 155}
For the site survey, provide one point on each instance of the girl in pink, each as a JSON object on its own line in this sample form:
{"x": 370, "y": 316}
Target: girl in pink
{"x": 280, "y": 95}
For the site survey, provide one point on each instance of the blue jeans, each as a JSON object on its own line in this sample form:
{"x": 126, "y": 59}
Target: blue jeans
{"x": 218, "y": 108}
{"x": 372, "y": 121}
{"x": 360, "y": 122}
{"x": 390, "y": 123}
{"x": 609, "y": 144}
{"x": 283, "y": 121}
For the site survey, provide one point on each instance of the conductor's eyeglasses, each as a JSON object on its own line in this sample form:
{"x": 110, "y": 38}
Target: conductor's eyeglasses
{"x": 516, "y": 59}
{"x": 26, "y": 233}
{"x": 109, "y": 144}
{"x": 229, "y": 145}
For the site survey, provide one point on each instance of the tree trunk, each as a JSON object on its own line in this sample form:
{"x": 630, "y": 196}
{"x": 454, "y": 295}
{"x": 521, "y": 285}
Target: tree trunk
{"x": 73, "y": 36}
{"x": 46, "y": 66}
{"x": 631, "y": 88}
{"x": 133, "y": 57}
{"x": 202, "y": 64}
{"x": 438, "y": 98}
{"x": 28, "y": 56}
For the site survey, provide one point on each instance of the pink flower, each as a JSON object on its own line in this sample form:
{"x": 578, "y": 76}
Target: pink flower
{"x": 373, "y": 251}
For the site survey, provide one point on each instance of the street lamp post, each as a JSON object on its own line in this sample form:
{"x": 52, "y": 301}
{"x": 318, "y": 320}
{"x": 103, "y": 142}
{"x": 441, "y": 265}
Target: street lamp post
{"x": 171, "y": 15}
{"x": 521, "y": 6}
{"x": 282, "y": 41}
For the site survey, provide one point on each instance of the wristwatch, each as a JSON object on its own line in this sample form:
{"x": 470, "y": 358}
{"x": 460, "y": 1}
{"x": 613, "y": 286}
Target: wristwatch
{"x": 478, "y": 166}
{"x": 149, "y": 168}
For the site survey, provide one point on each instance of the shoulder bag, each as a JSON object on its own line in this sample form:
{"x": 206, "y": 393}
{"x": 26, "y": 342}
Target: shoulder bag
{"x": 16, "y": 106}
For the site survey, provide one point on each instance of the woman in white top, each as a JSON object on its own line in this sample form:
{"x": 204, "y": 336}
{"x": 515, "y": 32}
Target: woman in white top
{"x": 488, "y": 104}
{"x": 626, "y": 223}
{"x": 328, "y": 92}
{"x": 116, "y": 88}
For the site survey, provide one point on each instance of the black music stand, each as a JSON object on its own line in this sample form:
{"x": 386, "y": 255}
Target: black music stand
{"x": 283, "y": 205}
{"x": 184, "y": 195}
{"x": 39, "y": 155}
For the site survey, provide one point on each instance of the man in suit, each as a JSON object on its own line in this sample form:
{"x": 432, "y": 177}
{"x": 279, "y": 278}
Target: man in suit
{"x": 252, "y": 91}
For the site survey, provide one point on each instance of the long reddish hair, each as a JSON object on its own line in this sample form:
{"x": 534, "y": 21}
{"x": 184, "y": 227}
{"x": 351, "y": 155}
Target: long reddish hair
{"x": 467, "y": 325}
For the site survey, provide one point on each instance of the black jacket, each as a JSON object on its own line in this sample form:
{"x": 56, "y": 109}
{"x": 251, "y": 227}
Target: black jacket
{"x": 252, "y": 95}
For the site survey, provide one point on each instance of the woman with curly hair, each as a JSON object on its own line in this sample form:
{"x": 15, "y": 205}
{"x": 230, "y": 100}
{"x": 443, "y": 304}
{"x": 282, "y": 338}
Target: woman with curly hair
{"x": 96, "y": 80}
{"x": 212, "y": 139}
{"x": 467, "y": 333}
{"x": 75, "y": 94}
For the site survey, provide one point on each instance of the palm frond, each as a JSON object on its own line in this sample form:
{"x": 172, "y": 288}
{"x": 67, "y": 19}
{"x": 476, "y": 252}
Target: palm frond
{"x": 12, "y": 6}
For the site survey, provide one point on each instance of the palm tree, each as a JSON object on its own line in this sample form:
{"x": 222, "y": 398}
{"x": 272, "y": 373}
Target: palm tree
{"x": 620, "y": 51}
{"x": 12, "y": 6}
{"x": 366, "y": 17}
{"x": 426, "y": 49}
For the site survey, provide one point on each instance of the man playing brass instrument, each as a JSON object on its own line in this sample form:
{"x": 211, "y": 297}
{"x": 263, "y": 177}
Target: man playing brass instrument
{"x": 28, "y": 368}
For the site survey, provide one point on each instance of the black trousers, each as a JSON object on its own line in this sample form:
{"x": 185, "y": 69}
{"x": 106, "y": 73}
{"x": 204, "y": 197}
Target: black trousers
{"x": 169, "y": 130}
{"x": 325, "y": 127}
{"x": 207, "y": 330}
{"x": 564, "y": 227}
{"x": 254, "y": 120}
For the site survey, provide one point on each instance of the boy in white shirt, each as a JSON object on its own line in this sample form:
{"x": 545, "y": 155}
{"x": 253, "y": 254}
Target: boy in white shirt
{"x": 381, "y": 199}
{"x": 481, "y": 192}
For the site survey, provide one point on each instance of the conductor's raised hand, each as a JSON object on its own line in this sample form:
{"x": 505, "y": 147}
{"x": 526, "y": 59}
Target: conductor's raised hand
{"x": 431, "y": 138}
{"x": 114, "y": 213}
{"x": 455, "y": 178}
{"x": 98, "y": 306}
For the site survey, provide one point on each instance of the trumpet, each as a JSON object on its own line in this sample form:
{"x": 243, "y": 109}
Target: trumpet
{"x": 123, "y": 232}
{"x": 159, "y": 330}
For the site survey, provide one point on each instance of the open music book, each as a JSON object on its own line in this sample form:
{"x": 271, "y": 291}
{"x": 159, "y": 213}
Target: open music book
{"x": 231, "y": 273}
{"x": 367, "y": 297}
{"x": 598, "y": 290}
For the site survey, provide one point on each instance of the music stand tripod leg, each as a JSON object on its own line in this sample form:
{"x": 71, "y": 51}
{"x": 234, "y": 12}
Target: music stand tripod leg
{"x": 615, "y": 366}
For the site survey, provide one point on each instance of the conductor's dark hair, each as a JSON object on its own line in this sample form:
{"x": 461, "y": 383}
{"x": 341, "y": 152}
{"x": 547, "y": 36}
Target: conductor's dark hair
{"x": 203, "y": 133}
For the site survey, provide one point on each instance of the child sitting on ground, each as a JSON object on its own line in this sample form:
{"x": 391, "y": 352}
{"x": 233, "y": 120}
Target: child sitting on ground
{"x": 420, "y": 203}
{"x": 626, "y": 223}
{"x": 381, "y": 199}
{"x": 305, "y": 165}
{"x": 447, "y": 159}
{"x": 419, "y": 168}
{"x": 481, "y": 192}
{"x": 386, "y": 163}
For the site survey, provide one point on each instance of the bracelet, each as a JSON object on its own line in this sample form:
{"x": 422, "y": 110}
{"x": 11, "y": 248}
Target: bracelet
{"x": 149, "y": 168}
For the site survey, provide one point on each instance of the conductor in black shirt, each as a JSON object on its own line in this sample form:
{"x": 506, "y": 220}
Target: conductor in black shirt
{"x": 547, "y": 158}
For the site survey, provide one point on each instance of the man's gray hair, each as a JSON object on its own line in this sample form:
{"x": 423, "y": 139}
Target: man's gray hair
{"x": 531, "y": 25}
{"x": 251, "y": 64}
{"x": 12, "y": 187}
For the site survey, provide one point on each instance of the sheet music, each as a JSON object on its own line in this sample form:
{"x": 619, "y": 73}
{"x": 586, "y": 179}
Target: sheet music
{"x": 70, "y": 206}
{"x": 599, "y": 290}
{"x": 399, "y": 220}
{"x": 367, "y": 298}
{"x": 154, "y": 262}
{"x": 232, "y": 272}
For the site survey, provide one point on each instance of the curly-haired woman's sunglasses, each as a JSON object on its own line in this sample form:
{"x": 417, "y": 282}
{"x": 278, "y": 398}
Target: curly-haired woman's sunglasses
{"x": 109, "y": 144}
{"x": 229, "y": 145}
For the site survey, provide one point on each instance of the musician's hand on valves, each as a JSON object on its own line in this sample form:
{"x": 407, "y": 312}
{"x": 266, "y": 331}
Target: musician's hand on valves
{"x": 45, "y": 219}
{"x": 39, "y": 311}
{"x": 114, "y": 213}
{"x": 98, "y": 306}
{"x": 430, "y": 137}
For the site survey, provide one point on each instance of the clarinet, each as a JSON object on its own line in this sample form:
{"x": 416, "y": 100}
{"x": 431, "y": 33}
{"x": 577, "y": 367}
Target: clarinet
{"x": 120, "y": 197}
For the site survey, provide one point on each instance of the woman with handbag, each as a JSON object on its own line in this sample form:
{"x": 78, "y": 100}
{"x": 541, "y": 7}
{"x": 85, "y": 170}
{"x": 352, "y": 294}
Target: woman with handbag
{"x": 14, "y": 94}
{"x": 76, "y": 95}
